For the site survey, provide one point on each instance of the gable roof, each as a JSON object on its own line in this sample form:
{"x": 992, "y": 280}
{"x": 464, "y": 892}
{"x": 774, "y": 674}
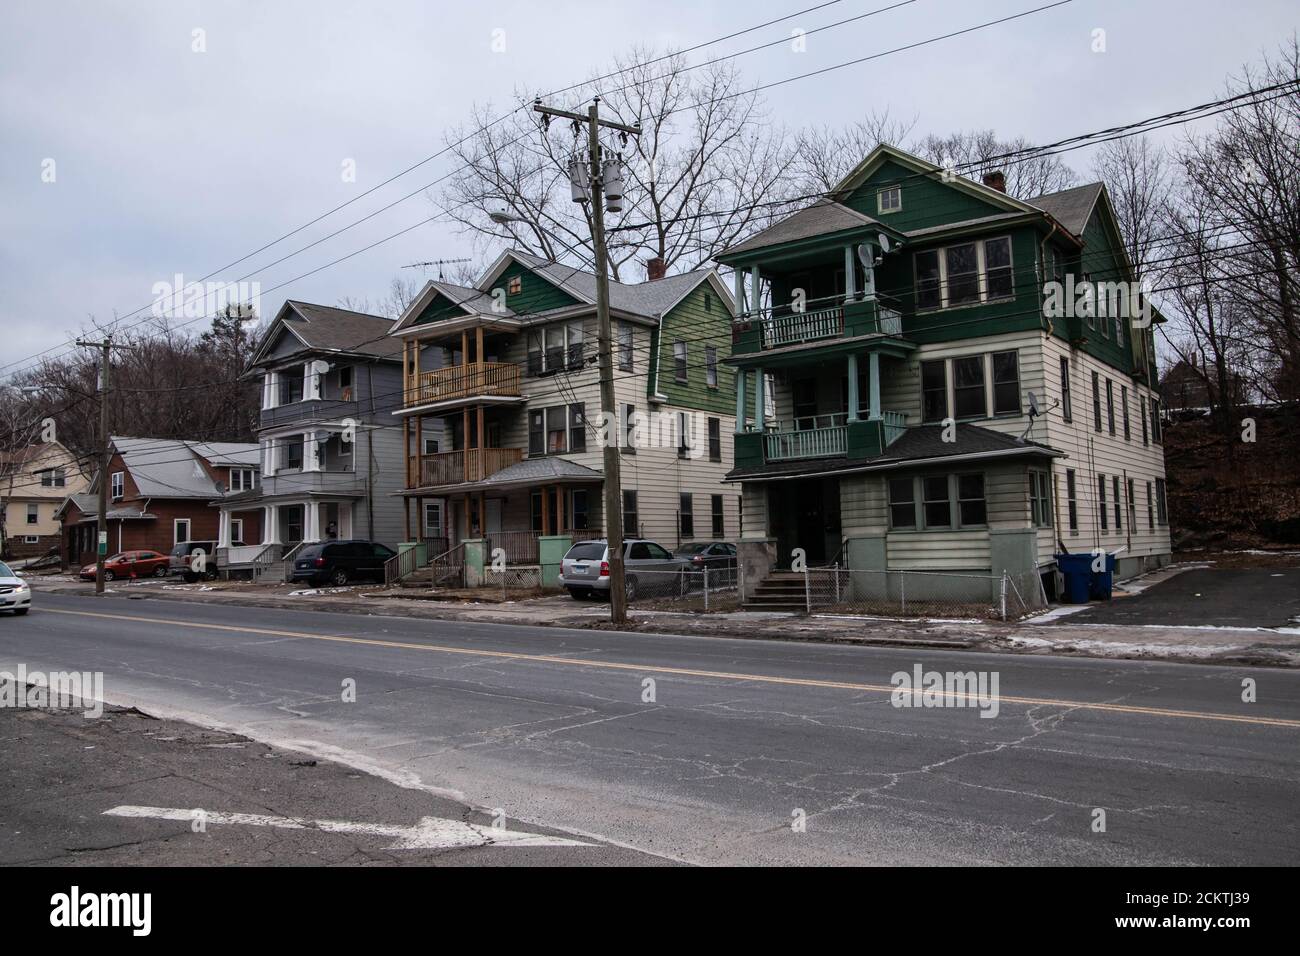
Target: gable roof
{"x": 172, "y": 467}
{"x": 470, "y": 301}
{"x": 885, "y": 153}
{"x": 823, "y": 217}
{"x": 1072, "y": 207}
{"x": 323, "y": 328}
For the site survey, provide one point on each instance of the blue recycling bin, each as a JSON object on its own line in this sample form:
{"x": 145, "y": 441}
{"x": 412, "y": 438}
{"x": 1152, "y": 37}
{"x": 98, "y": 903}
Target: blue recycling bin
{"x": 1077, "y": 571}
{"x": 1101, "y": 582}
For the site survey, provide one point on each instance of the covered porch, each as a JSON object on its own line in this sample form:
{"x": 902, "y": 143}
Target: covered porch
{"x": 283, "y": 526}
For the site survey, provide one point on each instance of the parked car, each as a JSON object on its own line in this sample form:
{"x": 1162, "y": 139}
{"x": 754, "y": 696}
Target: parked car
{"x": 338, "y": 562}
{"x": 181, "y": 562}
{"x": 15, "y": 593}
{"x": 130, "y": 564}
{"x": 714, "y": 555}
{"x": 584, "y": 570}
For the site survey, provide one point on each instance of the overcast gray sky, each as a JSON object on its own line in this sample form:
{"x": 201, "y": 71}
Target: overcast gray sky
{"x": 168, "y": 160}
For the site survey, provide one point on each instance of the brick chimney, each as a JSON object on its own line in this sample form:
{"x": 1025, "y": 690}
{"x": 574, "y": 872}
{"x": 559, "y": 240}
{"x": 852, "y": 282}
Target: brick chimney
{"x": 655, "y": 268}
{"x": 996, "y": 180}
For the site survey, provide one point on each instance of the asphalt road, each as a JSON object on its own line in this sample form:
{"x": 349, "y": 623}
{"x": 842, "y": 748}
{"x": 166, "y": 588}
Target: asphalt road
{"x": 1206, "y": 597}
{"x": 740, "y": 751}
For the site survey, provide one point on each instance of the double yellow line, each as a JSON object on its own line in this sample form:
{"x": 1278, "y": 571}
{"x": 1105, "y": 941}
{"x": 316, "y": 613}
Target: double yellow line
{"x": 678, "y": 671}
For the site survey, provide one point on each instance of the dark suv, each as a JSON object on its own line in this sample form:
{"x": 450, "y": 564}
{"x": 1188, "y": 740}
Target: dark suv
{"x": 338, "y": 562}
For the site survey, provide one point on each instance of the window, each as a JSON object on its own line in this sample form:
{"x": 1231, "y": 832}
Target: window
{"x": 1162, "y": 508}
{"x": 629, "y": 429}
{"x": 624, "y": 347}
{"x": 1071, "y": 497}
{"x": 515, "y": 285}
{"x": 934, "y": 391}
{"x": 971, "y": 509}
{"x": 902, "y": 503}
{"x": 432, "y": 520}
{"x": 345, "y": 378}
{"x": 574, "y": 338}
{"x": 430, "y": 446}
{"x": 1132, "y": 508}
{"x": 685, "y": 516}
{"x": 708, "y": 302}
{"x": 180, "y": 530}
{"x": 1123, "y": 404}
{"x": 290, "y": 385}
{"x": 715, "y": 439}
{"x": 293, "y": 452}
{"x": 557, "y": 429}
{"x": 1096, "y": 401}
{"x": 1067, "y": 407}
{"x": 578, "y": 509}
{"x": 719, "y": 520}
{"x": 683, "y": 435}
{"x": 889, "y": 199}
{"x": 1155, "y": 420}
{"x": 1101, "y": 500}
{"x": 242, "y": 479}
{"x": 1040, "y": 504}
{"x": 31, "y": 539}
{"x": 54, "y": 478}
{"x": 1110, "y": 406}
{"x": 1119, "y": 504}
{"x": 1006, "y": 383}
{"x": 679, "y": 362}
{"x": 237, "y": 531}
{"x": 578, "y": 427}
{"x": 964, "y": 274}
{"x": 536, "y": 431}
{"x": 33, "y": 513}
{"x": 119, "y": 484}
{"x": 1151, "y": 509}
{"x": 630, "y": 524}
{"x": 968, "y": 387}
{"x": 1142, "y": 414}
{"x": 935, "y": 504}
{"x": 555, "y": 348}
{"x": 553, "y": 353}
{"x": 711, "y": 366}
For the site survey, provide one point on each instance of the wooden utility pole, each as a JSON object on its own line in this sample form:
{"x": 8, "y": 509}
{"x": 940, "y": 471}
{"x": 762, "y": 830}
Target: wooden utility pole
{"x": 604, "y": 353}
{"x": 101, "y": 539}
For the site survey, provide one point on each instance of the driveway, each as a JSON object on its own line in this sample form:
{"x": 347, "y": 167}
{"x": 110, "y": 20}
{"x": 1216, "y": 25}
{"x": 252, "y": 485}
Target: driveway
{"x": 1214, "y": 597}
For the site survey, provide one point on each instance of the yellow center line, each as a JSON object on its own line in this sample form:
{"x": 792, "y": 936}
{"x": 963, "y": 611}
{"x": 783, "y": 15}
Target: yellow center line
{"x": 680, "y": 671}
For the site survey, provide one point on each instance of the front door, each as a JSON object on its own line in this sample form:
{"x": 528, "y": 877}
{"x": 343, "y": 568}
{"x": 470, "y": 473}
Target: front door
{"x": 805, "y": 514}
{"x": 291, "y": 524}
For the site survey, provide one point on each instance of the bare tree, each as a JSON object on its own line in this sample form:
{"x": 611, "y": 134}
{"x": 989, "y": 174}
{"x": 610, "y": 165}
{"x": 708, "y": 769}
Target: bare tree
{"x": 1137, "y": 178}
{"x": 825, "y": 155}
{"x": 976, "y": 153}
{"x": 706, "y": 170}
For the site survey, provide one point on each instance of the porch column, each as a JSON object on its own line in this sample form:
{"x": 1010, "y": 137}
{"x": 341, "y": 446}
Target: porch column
{"x": 311, "y": 521}
{"x": 753, "y": 289}
{"x": 738, "y": 279}
{"x": 758, "y": 399}
{"x": 850, "y": 274}
{"x": 223, "y": 528}
{"x": 406, "y": 506}
{"x": 271, "y": 525}
{"x": 874, "y": 385}
{"x": 741, "y": 375}
{"x": 853, "y": 386}
{"x": 559, "y": 509}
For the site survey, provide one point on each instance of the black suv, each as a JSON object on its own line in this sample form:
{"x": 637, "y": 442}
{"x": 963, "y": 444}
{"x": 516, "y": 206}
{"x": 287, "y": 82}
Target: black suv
{"x": 338, "y": 562}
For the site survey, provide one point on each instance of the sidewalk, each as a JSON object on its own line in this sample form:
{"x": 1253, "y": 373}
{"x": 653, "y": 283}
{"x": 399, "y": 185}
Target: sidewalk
{"x": 1217, "y": 645}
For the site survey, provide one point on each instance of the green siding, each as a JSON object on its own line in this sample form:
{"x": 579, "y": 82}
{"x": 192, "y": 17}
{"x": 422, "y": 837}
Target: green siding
{"x": 690, "y": 321}
{"x": 535, "y": 295}
{"x": 439, "y": 309}
{"x": 926, "y": 201}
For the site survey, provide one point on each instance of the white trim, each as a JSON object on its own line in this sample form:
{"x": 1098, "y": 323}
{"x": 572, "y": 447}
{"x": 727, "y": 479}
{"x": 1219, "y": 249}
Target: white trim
{"x": 176, "y": 526}
{"x": 880, "y": 199}
{"x": 981, "y": 274}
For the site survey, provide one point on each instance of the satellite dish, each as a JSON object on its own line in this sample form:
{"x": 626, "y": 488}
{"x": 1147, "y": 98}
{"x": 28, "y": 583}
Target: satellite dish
{"x": 221, "y": 487}
{"x": 1033, "y": 405}
{"x": 884, "y": 242}
{"x": 865, "y": 255}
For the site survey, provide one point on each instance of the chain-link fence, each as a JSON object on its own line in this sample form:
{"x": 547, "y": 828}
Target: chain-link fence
{"x": 514, "y": 581}
{"x": 924, "y": 594}
{"x": 706, "y": 589}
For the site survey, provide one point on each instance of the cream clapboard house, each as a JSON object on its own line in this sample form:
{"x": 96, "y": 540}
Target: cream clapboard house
{"x": 516, "y": 396}
{"x": 933, "y": 375}
{"x": 34, "y": 481}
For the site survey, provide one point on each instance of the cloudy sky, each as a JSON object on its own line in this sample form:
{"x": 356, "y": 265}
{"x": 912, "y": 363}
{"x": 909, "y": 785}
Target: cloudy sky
{"x": 167, "y": 159}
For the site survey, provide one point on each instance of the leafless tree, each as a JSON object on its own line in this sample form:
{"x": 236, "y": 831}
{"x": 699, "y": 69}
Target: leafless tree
{"x": 1137, "y": 178}
{"x": 975, "y": 153}
{"x": 825, "y": 154}
{"x": 704, "y": 172}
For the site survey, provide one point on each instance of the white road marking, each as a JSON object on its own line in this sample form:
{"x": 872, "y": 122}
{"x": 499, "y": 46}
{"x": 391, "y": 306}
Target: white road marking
{"x": 431, "y": 833}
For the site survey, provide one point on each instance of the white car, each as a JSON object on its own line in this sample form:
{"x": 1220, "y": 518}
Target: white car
{"x": 15, "y": 593}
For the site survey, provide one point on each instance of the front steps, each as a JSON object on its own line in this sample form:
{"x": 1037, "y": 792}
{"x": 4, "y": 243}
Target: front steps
{"x": 779, "y": 591}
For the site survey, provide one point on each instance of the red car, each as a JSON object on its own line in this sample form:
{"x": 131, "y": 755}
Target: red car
{"x": 130, "y": 564}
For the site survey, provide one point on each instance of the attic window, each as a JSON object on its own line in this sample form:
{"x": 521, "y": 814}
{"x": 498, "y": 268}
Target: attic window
{"x": 516, "y": 285}
{"x": 890, "y": 199}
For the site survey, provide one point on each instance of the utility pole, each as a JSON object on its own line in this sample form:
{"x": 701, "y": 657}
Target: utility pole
{"x": 604, "y": 340}
{"x": 105, "y": 364}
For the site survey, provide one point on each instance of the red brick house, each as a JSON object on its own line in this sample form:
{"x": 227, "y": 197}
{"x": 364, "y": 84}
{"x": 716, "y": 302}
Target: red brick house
{"x": 161, "y": 492}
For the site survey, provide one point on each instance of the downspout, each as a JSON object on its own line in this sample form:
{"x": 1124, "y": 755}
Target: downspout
{"x": 1042, "y": 258}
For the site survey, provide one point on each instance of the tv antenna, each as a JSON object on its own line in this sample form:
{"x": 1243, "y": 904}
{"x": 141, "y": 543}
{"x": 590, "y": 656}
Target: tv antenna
{"x": 435, "y": 262}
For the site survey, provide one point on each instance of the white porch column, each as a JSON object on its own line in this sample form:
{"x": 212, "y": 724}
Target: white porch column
{"x": 311, "y": 521}
{"x": 874, "y": 385}
{"x": 310, "y": 452}
{"x": 223, "y": 528}
{"x": 850, "y": 277}
{"x": 270, "y": 524}
{"x": 738, "y": 278}
{"x": 853, "y": 387}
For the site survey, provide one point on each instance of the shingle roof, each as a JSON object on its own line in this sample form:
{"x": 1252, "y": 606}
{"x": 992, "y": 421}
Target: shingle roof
{"x": 1070, "y": 207}
{"x": 917, "y": 445}
{"x": 240, "y": 454}
{"x": 480, "y": 303}
{"x": 340, "y": 330}
{"x": 541, "y": 470}
{"x": 821, "y": 218}
{"x": 649, "y": 299}
{"x": 170, "y": 468}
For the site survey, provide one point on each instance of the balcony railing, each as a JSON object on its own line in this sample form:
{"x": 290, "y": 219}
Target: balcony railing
{"x": 816, "y": 436}
{"x": 895, "y": 426}
{"x": 457, "y": 467}
{"x": 792, "y": 328}
{"x": 462, "y": 381}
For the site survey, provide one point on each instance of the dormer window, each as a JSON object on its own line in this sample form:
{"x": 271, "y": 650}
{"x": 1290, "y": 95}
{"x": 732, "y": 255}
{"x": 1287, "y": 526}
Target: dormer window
{"x": 515, "y": 285}
{"x": 889, "y": 199}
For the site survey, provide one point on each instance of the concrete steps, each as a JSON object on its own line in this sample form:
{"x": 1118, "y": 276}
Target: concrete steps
{"x": 779, "y": 591}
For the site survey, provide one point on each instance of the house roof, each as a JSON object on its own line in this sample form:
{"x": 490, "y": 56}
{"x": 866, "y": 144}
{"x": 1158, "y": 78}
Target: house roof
{"x": 650, "y": 299}
{"x": 170, "y": 468}
{"x": 821, "y": 218}
{"x": 88, "y": 505}
{"x": 1070, "y": 207}
{"x": 323, "y": 328}
{"x": 528, "y": 473}
{"x": 918, "y": 446}
{"x": 229, "y": 453}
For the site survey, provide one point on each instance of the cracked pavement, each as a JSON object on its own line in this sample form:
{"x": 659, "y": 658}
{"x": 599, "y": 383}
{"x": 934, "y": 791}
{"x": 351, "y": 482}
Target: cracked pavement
{"x": 740, "y": 752}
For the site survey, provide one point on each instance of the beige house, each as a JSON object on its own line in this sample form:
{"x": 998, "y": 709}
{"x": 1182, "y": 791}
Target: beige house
{"x": 34, "y": 482}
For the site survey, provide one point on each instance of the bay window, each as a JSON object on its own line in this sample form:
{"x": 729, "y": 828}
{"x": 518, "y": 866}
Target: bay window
{"x": 964, "y": 274}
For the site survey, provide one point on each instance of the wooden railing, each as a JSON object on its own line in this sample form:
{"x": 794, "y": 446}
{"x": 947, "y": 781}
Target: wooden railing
{"x": 807, "y": 443}
{"x": 795, "y": 327}
{"x": 462, "y": 381}
{"x": 895, "y": 426}
{"x": 522, "y": 547}
{"x": 458, "y": 467}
